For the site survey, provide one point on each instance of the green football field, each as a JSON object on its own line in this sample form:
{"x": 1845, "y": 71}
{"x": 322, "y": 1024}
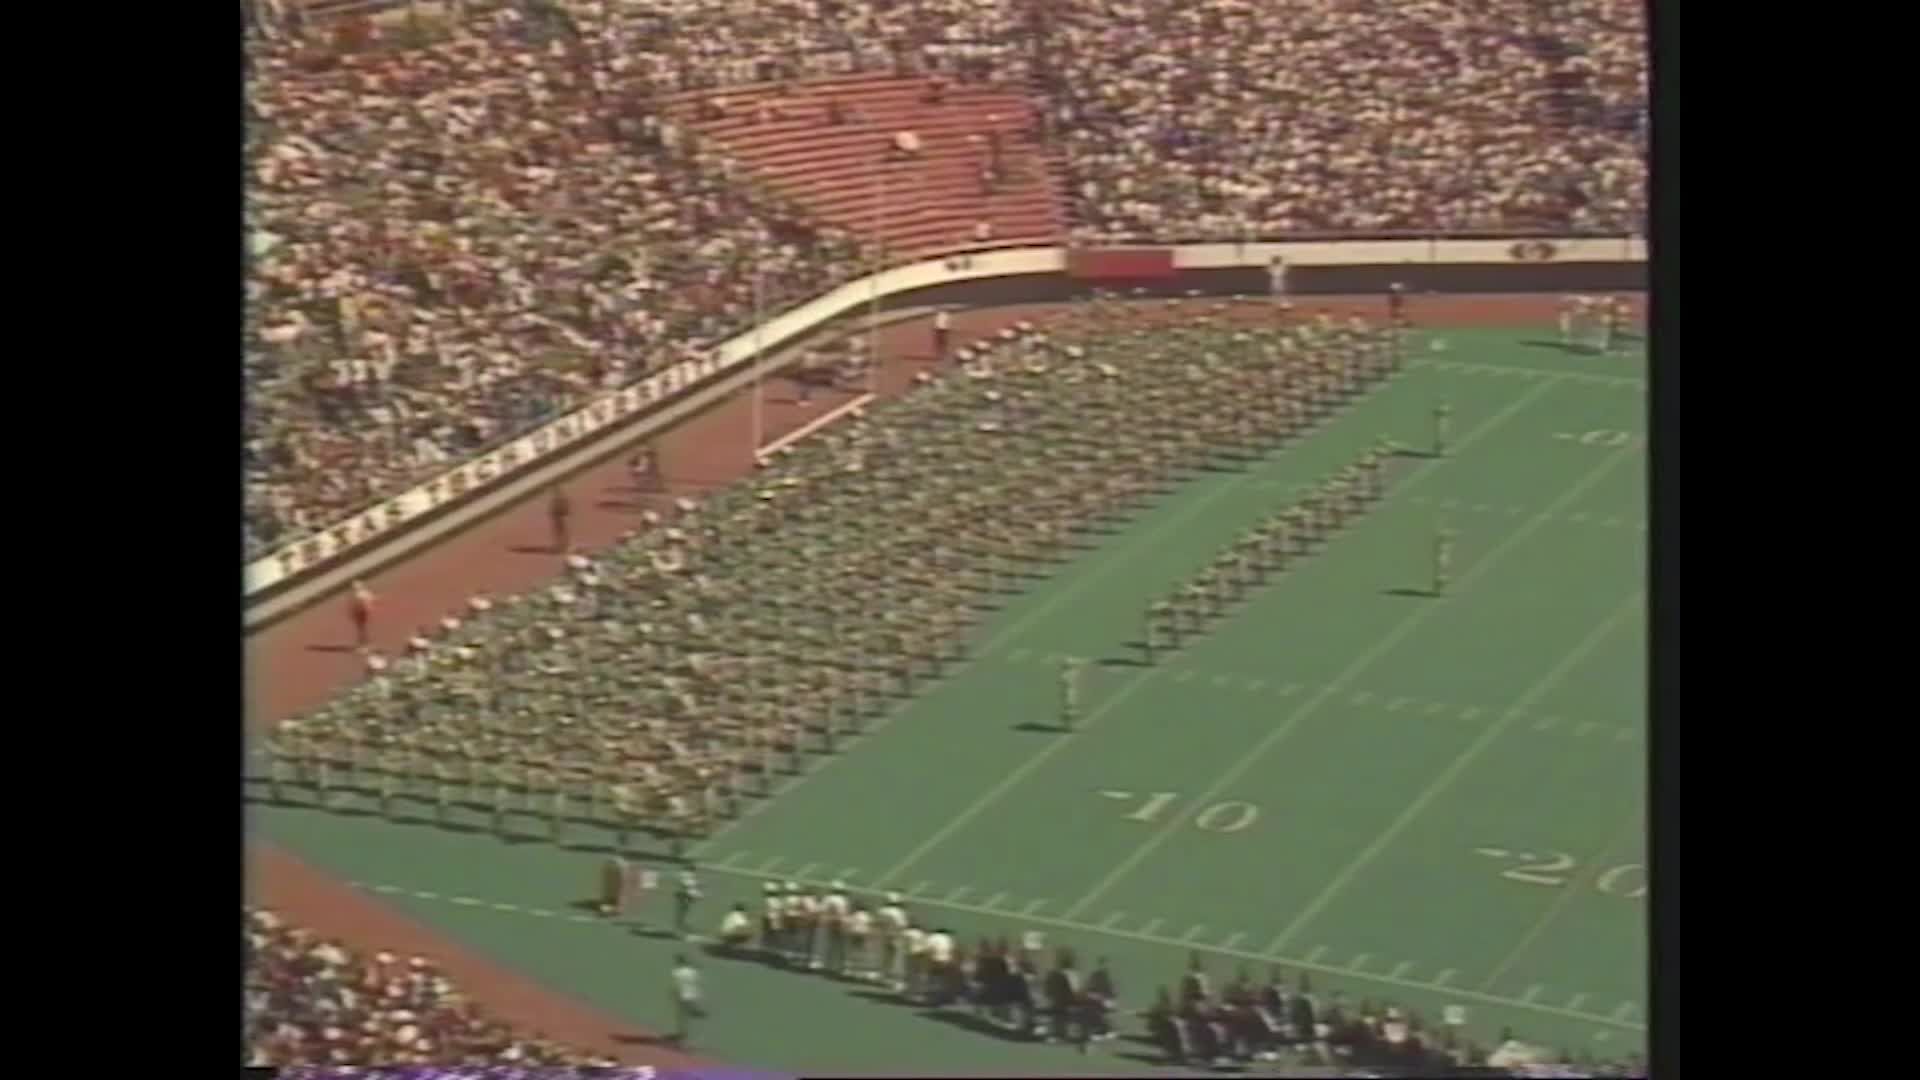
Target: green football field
{"x": 1428, "y": 802}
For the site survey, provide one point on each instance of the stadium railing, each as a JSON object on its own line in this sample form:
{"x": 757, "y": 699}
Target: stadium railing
{"x": 969, "y": 276}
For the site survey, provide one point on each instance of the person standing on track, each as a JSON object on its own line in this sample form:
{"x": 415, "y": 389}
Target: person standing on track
{"x": 1279, "y": 284}
{"x": 942, "y": 334}
{"x": 559, "y": 511}
{"x": 644, "y": 469}
{"x": 360, "y": 612}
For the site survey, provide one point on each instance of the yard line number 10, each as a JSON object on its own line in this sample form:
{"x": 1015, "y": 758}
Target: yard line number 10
{"x": 1222, "y": 817}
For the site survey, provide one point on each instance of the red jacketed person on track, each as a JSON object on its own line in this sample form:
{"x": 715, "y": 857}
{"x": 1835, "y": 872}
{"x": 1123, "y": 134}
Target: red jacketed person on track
{"x": 559, "y": 509}
{"x": 360, "y": 611}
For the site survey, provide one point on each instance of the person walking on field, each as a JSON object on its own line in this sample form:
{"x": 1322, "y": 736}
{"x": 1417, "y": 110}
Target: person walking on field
{"x": 559, "y": 509}
{"x": 360, "y": 611}
{"x": 687, "y": 1006}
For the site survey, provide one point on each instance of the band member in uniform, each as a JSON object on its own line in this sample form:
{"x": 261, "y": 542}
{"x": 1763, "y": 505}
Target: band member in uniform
{"x": 1442, "y": 558}
{"x": 1441, "y": 413}
{"x": 941, "y": 979}
{"x": 686, "y": 998}
{"x": 684, "y": 897}
{"x": 641, "y": 882}
{"x": 1101, "y": 994}
{"x": 559, "y": 511}
{"x": 613, "y": 886}
{"x": 360, "y": 612}
{"x": 1071, "y": 670}
{"x": 859, "y": 958}
{"x": 892, "y": 931}
{"x": 773, "y": 923}
{"x": 736, "y": 931}
{"x": 802, "y": 922}
{"x": 1165, "y": 1028}
{"x": 1063, "y": 995}
{"x": 1024, "y": 995}
{"x": 1159, "y": 630}
{"x": 1194, "y": 985}
{"x": 833, "y": 918}
{"x": 1396, "y": 303}
{"x": 913, "y": 947}
{"x": 990, "y": 981}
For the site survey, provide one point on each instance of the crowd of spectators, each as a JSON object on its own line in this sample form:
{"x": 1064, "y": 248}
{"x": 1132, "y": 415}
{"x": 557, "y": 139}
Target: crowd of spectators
{"x": 1228, "y": 119}
{"x": 454, "y": 240}
{"x": 311, "y": 1001}
{"x": 452, "y": 243}
{"x": 1195, "y": 1022}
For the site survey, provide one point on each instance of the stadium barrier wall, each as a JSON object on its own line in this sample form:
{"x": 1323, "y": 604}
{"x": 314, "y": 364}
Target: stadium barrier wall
{"x": 985, "y": 279}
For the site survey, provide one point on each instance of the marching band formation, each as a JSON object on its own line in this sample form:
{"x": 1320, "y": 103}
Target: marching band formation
{"x": 669, "y": 678}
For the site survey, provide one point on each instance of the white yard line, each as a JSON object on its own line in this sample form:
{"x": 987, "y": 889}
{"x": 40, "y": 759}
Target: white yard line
{"x": 993, "y": 795}
{"x": 1516, "y": 369}
{"x": 1413, "y": 621}
{"x": 1466, "y": 757}
{"x": 1307, "y": 964}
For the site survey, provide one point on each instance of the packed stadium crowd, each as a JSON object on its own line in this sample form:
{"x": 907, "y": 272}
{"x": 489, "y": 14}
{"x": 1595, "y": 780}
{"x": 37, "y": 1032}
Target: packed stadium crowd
{"x": 313, "y": 1001}
{"x": 452, "y": 241}
{"x": 1221, "y": 120}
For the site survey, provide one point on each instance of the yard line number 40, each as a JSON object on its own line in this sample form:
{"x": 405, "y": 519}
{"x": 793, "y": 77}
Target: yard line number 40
{"x": 1222, "y": 817}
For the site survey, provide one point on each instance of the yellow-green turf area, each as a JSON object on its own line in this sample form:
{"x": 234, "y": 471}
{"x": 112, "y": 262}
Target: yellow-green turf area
{"x": 1421, "y": 801}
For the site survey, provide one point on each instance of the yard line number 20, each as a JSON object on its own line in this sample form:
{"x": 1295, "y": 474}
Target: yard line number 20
{"x": 1552, "y": 868}
{"x": 1222, "y": 817}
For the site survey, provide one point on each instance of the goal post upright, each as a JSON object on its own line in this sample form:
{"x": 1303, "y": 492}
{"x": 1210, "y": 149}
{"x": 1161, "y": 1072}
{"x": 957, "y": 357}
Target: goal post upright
{"x": 759, "y": 353}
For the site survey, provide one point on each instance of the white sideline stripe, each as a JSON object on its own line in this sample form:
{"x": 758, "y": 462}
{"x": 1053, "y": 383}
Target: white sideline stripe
{"x": 1309, "y": 963}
